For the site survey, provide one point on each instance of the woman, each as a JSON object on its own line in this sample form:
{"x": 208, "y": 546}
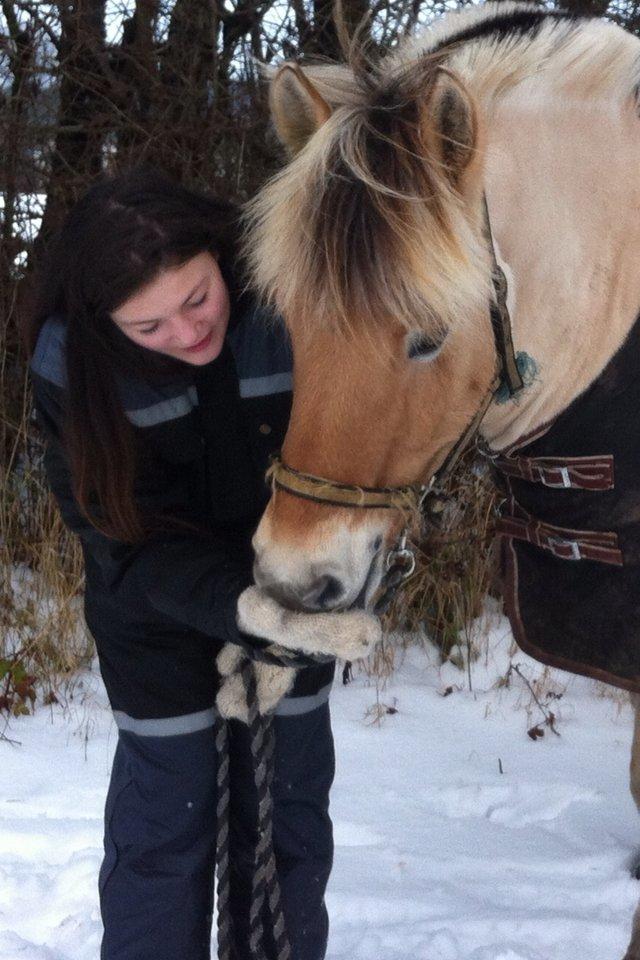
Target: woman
{"x": 162, "y": 392}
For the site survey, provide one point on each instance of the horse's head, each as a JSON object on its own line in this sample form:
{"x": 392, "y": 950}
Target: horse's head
{"x": 370, "y": 244}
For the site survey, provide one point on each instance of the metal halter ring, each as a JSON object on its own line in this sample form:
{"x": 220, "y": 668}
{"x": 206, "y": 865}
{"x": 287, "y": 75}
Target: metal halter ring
{"x": 402, "y": 556}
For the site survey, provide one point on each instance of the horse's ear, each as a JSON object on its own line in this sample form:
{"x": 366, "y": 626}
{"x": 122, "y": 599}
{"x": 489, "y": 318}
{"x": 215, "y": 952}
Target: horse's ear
{"x": 297, "y": 108}
{"x": 452, "y": 118}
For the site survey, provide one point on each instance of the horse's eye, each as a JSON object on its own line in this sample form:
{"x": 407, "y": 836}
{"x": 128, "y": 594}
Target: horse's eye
{"x": 423, "y": 346}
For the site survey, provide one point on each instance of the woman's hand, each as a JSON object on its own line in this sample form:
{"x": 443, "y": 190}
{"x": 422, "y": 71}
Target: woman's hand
{"x": 350, "y": 635}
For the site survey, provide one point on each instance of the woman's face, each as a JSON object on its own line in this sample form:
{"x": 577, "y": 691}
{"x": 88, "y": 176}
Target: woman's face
{"x": 183, "y": 312}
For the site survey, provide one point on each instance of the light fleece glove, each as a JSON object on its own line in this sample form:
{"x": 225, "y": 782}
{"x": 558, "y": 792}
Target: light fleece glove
{"x": 272, "y": 684}
{"x": 350, "y": 635}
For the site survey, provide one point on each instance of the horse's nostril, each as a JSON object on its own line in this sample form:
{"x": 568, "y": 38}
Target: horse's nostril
{"x": 377, "y": 543}
{"x": 325, "y": 592}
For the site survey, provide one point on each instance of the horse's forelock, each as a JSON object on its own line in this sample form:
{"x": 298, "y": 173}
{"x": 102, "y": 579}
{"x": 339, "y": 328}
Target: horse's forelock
{"x": 363, "y": 225}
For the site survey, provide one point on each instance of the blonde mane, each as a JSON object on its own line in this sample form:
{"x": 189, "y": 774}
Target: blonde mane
{"x": 364, "y": 224}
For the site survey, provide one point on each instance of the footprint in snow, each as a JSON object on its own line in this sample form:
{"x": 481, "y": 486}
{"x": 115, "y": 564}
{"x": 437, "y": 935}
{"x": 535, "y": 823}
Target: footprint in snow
{"x": 13, "y": 947}
{"x": 514, "y": 805}
{"x": 505, "y": 952}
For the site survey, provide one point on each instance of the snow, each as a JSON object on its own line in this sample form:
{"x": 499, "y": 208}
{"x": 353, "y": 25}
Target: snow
{"x": 439, "y": 854}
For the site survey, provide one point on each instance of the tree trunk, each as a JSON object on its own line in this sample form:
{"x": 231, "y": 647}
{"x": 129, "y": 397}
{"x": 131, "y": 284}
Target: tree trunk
{"x": 84, "y": 113}
{"x": 14, "y": 129}
{"x": 135, "y": 65}
{"x": 187, "y": 66}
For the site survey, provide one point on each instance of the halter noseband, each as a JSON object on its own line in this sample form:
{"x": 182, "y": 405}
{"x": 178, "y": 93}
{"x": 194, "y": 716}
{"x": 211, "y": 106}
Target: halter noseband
{"x": 416, "y": 499}
{"x": 407, "y": 499}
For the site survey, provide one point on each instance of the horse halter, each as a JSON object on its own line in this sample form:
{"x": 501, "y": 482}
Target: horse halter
{"x": 419, "y": 499}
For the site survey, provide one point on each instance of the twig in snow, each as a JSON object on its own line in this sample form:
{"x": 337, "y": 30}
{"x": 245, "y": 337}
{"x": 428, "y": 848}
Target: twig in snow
{"x": 549, "y": 717}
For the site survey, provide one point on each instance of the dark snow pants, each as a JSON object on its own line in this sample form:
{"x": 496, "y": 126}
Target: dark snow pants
{"x": 156, "y": 881}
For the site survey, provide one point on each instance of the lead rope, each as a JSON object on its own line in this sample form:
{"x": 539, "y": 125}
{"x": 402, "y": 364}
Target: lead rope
{"x": 221, "y": 732}
{"x": 265, "y": 884}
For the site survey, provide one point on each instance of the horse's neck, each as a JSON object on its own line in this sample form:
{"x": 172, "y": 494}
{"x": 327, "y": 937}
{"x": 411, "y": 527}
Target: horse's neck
{"x": 563, "y": 188}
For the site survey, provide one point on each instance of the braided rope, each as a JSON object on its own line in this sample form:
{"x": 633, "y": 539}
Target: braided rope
{"x": 274, "y": 895}
{"x": 259, "y": 886}
{"x": 221, "y": 732}
{"x": 265, "y": 884}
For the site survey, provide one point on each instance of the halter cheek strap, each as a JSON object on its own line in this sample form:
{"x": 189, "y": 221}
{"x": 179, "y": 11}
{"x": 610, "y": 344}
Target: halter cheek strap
{"x": 510, "y": 376}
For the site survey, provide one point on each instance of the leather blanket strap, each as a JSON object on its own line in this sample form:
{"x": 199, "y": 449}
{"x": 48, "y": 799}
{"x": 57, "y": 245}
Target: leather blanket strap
{"x": 563, "y": 543}
{"x": 577, "y": 473}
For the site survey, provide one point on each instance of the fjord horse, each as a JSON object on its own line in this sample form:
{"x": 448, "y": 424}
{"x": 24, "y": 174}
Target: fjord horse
{"x": 372, "y": 243}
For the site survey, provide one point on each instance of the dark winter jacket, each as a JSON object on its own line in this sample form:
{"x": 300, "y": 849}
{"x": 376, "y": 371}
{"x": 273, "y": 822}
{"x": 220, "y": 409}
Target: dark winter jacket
{"x": 160, "y": 611}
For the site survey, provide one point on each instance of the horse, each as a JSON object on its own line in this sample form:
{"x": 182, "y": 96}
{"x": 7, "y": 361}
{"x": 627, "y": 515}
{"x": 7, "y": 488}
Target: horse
{"x": 502, "y": 142}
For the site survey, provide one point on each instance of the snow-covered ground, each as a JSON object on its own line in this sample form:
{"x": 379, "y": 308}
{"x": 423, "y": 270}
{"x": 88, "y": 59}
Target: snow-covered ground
{"x": 457, "y": 836}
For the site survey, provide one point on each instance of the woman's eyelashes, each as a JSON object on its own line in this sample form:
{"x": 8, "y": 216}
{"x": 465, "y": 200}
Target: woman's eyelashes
{"x": 198, "y": 303}
{"x": 192, "y": 305}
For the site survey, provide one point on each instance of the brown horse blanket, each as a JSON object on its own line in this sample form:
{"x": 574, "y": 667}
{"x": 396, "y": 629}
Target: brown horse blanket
{"x": 570, "y": 530}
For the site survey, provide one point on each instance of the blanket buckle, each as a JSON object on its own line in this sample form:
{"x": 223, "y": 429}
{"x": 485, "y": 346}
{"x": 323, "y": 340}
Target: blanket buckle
{"x": 572, "y": 545}
{"x": 565, "y": 479}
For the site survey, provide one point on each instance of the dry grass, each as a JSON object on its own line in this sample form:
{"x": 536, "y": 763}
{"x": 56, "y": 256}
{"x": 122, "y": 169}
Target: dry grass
{"x": 456, "y": 565}
{"x": 42, "y": 637}
{"x": 456, "y": 568}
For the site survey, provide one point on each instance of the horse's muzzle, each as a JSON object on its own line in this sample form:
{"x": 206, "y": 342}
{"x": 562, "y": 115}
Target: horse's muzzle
{"x": 323, "y": 592}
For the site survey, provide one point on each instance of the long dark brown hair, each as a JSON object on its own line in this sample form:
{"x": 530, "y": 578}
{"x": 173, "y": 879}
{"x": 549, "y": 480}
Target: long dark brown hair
{"x": 115, "y": 240}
